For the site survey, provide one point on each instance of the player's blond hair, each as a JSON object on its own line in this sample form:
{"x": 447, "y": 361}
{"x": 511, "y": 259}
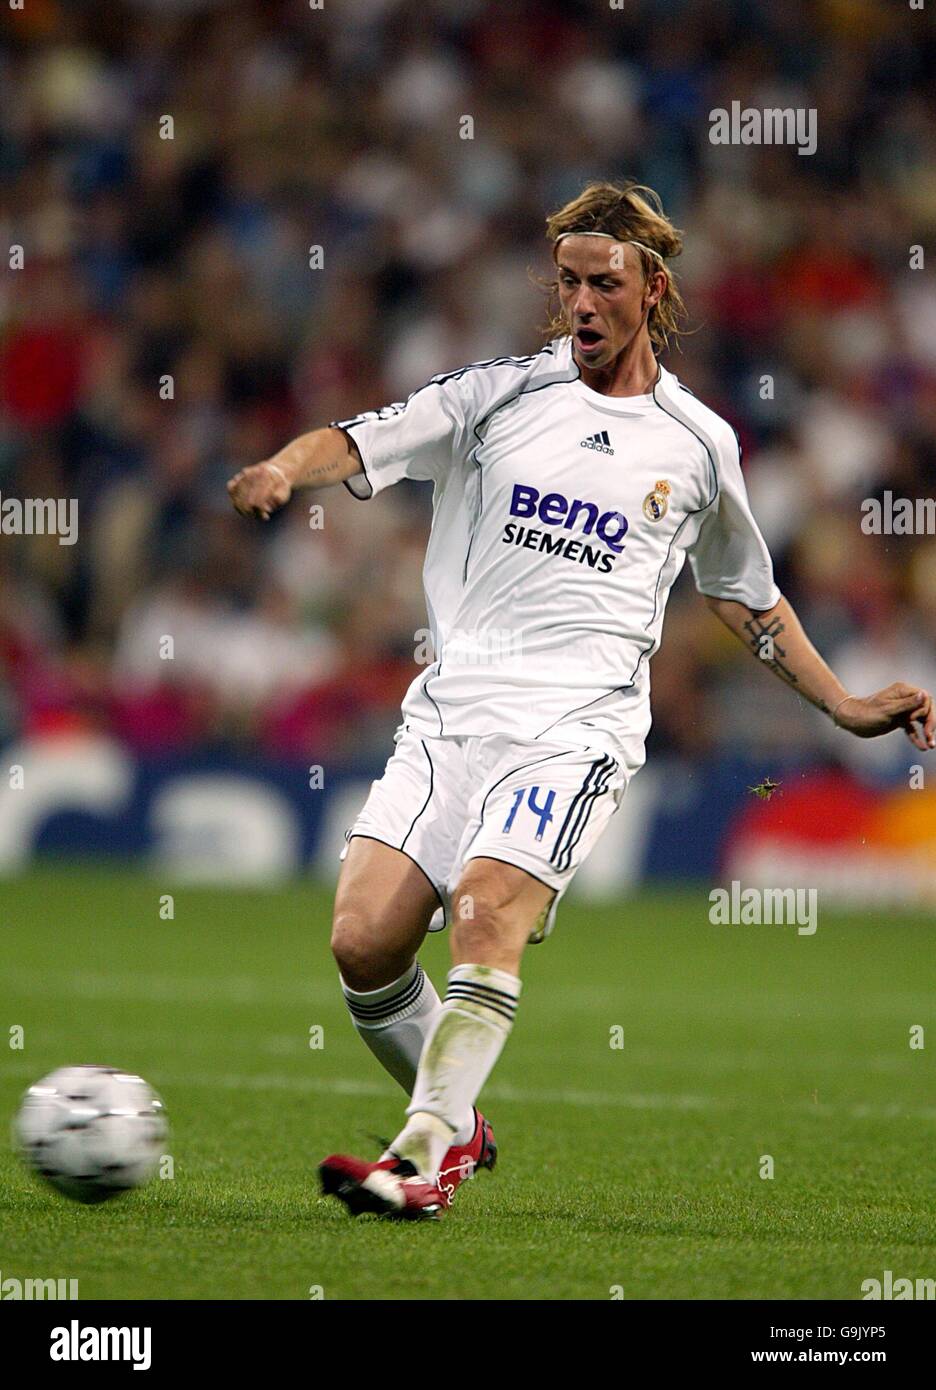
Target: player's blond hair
{"x": 628, "y": 212}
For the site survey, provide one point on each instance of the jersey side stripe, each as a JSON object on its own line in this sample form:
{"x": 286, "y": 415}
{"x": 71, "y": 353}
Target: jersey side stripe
{"x": 430, "y": 672}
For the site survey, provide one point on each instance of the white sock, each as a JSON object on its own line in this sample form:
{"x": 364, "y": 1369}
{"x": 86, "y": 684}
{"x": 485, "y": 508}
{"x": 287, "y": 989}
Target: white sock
{"x": 466, "y": 1040}
{"x": 395, "y": 1021}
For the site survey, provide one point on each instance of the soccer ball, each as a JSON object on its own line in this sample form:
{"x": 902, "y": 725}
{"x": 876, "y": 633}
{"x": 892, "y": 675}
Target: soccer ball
{"x": 91, "y": 1132}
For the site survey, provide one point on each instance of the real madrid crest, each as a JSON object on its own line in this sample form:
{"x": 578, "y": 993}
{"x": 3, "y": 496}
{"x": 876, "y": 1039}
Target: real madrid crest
{"x": 656, "y": 502}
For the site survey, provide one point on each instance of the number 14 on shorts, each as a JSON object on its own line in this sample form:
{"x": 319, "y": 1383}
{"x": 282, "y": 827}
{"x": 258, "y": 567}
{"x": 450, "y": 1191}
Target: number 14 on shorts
{"x": 544, "y": 812}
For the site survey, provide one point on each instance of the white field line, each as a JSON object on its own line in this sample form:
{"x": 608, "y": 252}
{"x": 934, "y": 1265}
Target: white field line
{"x": 500, "y": 1092}
{"x": 131, "y": 986}
{"x": 676, "y": 1059}
{"x": 248, "y": 991}
{"x": 622, "y": 1100}
{"x": 168, "y": 989}
{"x": 348, "y": 1086}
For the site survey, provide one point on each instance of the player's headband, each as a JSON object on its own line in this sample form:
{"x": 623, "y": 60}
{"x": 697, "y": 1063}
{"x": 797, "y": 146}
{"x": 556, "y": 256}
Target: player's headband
{"x": 627, "y": 241}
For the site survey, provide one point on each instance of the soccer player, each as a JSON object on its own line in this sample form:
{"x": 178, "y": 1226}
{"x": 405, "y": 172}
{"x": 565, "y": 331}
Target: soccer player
{"x": 569, "y": 487}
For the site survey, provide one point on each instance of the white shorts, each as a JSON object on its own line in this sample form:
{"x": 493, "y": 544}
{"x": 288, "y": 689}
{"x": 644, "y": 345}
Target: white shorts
{"x": 538, "y": 806}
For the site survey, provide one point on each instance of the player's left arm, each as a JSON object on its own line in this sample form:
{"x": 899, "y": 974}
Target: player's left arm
{"x": 777, "y": 637}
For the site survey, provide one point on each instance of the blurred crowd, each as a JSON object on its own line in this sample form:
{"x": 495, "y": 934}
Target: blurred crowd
{"x": 173, "y": 322}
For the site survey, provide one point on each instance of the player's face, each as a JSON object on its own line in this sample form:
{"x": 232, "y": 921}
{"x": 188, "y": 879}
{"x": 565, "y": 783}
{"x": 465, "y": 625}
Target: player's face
{"x": 603, "y": 296}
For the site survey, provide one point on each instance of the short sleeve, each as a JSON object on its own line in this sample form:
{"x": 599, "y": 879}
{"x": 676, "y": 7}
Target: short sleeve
{"x": 729, "y": 557}
{"x": 417, "y": 438}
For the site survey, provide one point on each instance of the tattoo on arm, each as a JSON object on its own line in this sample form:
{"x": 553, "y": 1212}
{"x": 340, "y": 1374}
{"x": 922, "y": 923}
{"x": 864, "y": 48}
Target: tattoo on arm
{"x": 324, "y": 473}
{"x": 764, "y": 643}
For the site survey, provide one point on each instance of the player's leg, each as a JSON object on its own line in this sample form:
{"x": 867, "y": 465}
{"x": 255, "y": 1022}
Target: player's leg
{"x": 533, "y": 816}
{"x": 534, "y": 819}
{"x": 497, "y": 907}
{"x": 383, "y": 905}
{"x": 395, "y": 867}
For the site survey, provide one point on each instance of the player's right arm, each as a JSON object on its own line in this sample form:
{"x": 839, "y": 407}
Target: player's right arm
{"x": 317, "y": 459}
{"x": 423, "y": 438}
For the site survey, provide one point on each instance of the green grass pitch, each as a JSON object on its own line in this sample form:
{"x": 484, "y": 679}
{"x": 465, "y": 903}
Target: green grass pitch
{"x": 634, "y": 1168}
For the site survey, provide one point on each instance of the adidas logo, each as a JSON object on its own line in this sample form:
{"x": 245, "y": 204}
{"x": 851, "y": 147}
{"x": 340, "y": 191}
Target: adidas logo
{"x": 600, "y": 441}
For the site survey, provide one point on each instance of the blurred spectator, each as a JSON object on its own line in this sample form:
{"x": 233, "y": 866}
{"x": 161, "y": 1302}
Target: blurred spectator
{"x": 168, "y": 328}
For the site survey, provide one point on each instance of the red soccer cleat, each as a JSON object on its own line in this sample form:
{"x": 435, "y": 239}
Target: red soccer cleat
{"x": 390, "y": 1188}
{"x": 462, "y": 1161}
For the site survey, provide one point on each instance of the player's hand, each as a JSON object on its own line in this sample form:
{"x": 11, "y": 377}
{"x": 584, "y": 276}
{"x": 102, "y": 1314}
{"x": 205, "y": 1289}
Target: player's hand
{"x": 259, "y": 490}
{"x": 900, "y": 706}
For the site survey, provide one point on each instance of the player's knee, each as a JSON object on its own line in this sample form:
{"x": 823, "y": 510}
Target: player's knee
{"x": 481, "y": 913}
{"x": 355, "y": 947}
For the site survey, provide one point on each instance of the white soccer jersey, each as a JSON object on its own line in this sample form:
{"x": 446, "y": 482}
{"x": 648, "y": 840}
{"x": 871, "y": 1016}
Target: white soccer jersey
{"x": 561, "y": 518}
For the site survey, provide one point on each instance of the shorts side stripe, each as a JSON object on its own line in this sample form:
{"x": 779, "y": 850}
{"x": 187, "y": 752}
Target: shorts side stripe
{"x": 601, "y": 786}
{"x": 572, "y": 812}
